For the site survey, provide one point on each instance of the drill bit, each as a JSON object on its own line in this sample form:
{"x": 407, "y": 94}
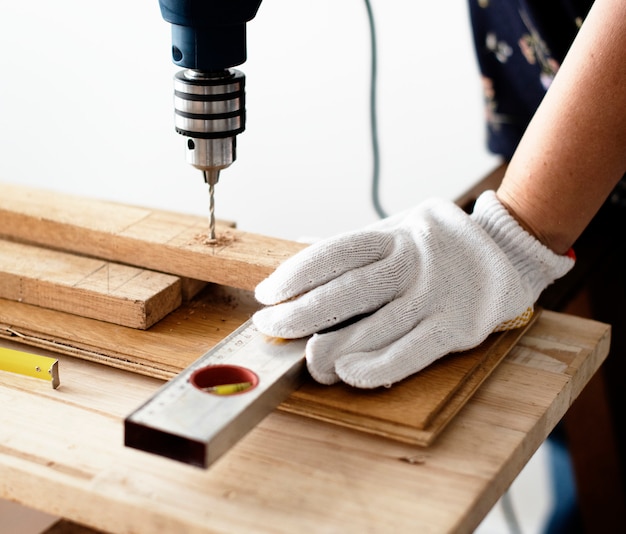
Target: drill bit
{"x": 211, "y": 177}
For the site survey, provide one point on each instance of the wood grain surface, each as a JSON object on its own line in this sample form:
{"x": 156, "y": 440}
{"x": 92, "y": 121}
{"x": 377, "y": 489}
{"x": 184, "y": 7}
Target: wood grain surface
{"x": 415, "y": 410}
{"x": 153, "y": 239}
{"x": 61, "y": 451}
{"x": 161, "y": 351}
{"x": 98, "y": 289}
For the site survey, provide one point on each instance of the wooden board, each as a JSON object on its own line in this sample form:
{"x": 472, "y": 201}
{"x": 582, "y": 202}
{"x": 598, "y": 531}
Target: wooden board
{"x": 431, "y": 397}
{"x": 161, "y": 351}
{"x": 414, "y": 411}
{"x": 143, "y": 237}
{"x": 99, "y": 289}
{"x": 290, "y": 474}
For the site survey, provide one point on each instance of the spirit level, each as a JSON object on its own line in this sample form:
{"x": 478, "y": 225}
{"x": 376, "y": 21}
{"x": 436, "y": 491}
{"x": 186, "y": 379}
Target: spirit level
{"x": 205, "y": 410}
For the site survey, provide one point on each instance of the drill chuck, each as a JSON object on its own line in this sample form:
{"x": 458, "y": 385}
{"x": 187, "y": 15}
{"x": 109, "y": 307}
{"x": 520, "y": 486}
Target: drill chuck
{"x": 210, "y": 111}
{"x": 208, "y": 38}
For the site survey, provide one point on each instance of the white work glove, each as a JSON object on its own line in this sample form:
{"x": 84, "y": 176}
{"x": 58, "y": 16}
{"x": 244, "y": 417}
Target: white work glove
{"x": 431, "y": 281}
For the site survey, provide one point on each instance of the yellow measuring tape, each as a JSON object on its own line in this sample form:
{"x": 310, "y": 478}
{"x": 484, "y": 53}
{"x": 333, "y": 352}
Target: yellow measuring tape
{"x": 24, "y": 363}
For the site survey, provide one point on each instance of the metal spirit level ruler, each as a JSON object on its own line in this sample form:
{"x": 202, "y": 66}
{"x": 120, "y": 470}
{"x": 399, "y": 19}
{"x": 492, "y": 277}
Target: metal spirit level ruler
{"x": 208, "y": 407}
{"x": 24, "y": 363}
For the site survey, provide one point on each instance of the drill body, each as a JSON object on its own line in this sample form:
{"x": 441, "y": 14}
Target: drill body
{"x": 209, "y": 35}
{"x": 208, "y": 39}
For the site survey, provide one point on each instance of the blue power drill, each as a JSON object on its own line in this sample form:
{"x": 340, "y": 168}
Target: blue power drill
{"x": 208, "y": 39}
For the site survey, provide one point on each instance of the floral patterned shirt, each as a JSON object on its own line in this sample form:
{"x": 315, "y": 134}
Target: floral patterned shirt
{"x": 520, "y": 45}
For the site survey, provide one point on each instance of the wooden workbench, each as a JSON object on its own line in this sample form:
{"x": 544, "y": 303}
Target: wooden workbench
{"x": 62, "y": 452}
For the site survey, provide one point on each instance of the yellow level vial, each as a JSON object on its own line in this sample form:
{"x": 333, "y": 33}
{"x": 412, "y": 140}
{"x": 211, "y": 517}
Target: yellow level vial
{"x": 24, "y": 363}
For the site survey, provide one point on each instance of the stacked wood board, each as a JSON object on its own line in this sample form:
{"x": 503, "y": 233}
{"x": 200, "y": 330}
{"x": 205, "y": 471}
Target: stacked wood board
{"x": 93, "y": 248}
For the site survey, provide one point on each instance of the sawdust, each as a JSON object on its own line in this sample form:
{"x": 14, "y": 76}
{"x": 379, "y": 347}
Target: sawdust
{"x": 221, "y": 240}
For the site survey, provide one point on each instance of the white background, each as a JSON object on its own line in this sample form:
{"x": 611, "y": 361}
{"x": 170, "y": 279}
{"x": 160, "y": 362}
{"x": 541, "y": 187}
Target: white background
{"x": 86, "y": 108}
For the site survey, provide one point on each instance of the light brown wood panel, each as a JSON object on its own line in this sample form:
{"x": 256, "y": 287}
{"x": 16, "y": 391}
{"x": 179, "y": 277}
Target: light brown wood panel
{"x": 289, "y": 474}
{"x": 154, "y": 239}
{"x": 161, "y": 351}
{"x": 99, "y": 289}
{"x": 414, "y": 411}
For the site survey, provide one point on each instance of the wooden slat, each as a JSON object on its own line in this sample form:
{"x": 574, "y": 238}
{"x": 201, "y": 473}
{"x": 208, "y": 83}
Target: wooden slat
{"x": 290, "y": 474}
{"x": 149, "y": 238}
{"x": 161, "y": 351}
{"x": 414, "y": 411}
{"x": 99, "y": 289}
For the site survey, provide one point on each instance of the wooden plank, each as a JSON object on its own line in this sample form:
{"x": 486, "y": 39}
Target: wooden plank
{"x": 432, "y": 397}
{"x": 143, "y": 237}
{"x": 330, "y": 476}
{"x": 128, "y": 296}
{"x": 161, "y": 351}
{"x": 415, "y": 410}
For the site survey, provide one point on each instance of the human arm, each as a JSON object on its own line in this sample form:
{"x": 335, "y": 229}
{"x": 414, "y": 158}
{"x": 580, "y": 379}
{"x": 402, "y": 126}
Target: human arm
{"x": 573, "y": 152}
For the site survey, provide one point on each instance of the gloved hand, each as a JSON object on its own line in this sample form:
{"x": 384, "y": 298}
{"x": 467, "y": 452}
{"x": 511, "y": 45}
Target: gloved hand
{"x": 430, "y": 281}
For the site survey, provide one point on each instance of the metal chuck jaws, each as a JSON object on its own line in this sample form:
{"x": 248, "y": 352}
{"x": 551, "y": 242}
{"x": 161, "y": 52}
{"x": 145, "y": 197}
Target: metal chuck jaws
{"x": 210, "y": 112}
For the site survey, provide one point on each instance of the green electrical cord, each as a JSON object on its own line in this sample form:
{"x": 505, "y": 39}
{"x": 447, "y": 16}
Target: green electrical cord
{"x": 506, "y": 502}
{"x": 373, "y": 116}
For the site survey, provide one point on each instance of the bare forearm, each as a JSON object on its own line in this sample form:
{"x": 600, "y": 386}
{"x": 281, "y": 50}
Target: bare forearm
{"x": 574, "y": 150}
